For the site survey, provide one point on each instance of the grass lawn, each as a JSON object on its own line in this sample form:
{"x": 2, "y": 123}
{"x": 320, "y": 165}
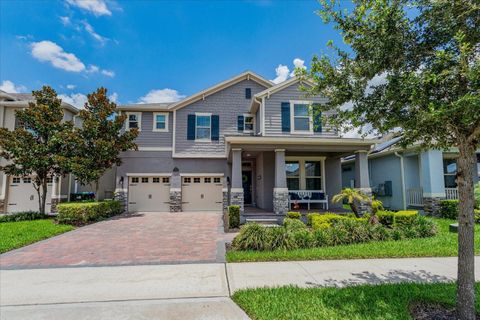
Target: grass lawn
{"x": 442, "y": 245}
{"x": 18, "y": 234}
{"x": 390, "y": 301}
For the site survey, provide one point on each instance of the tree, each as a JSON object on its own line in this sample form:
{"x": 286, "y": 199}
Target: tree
{"x": 99, "y": 140}
{"x": 412, "y": 67}
{"x": 39, "y": 146}
{"x": 353, "y": 196}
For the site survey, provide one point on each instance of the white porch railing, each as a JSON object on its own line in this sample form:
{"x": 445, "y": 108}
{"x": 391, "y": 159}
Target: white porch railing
{"x": 308, "y": 197}
{"x": 415, "y": 197}
{"x": 451, "y": 193}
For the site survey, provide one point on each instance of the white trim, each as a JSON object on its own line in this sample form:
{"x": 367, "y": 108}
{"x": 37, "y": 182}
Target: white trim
{"x": 302, "y": 176}
{"x": 283, "y": 85}
{"x": 201, "y": 174}
{"x": 121, "y": 190}
{"x": 198, "y": 155}
{"x": 174, "y": 131}
{"x": 317, "y": 140}
{"x": 362, "y": 151}
{"x": 236, "y": 189}
{"x": 434, "y": 195}
{"x": 175, "y": 189}
{"x": 139, "y": 120}
{"x": 245, "y": 115}
{"x": 203, "y": 114}
{"x": 292, "y": 117}
{"x": 59, "y": 196}
{"x": 280, "y": 189}
{"x": 263, "y": 116}
{"x": 155, "y": 149}
{"x": 132, "y": 174}
{"x": 279, "y": 150}
{"x": 155, "y": 114}
{"x": 4, "y": 186}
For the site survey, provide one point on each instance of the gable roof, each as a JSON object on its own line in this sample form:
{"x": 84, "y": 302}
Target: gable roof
{"x": 247, "y": 75}
{"x": 22, "y": 99}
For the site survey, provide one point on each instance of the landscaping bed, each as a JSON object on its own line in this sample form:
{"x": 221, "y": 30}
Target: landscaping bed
{"x": 442, "y": 244}
{"x": 388, "y": 301}
{"x": 21, "y": 233}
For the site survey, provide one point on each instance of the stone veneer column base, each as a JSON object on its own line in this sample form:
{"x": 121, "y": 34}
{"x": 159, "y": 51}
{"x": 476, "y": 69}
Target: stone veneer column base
{"x": 2, "y": 205}
{"x": 236, "y": 199}
{"x": 431, "y": 205}
{"x": 280, "y": 201}
{"x": 175, "y": 200}
{"x": 122, "y": 197}
{"x": 225, "y": 201}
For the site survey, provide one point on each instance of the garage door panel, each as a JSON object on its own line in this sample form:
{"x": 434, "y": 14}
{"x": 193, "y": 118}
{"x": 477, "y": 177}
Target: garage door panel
{"x": 202, "y": 193}
{"x": 149, "y": 194}
{"x": 22, "y": 195}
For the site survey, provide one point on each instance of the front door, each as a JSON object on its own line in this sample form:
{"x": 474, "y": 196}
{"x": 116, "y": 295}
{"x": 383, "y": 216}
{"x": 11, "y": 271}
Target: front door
{"x": 247, "y": 186}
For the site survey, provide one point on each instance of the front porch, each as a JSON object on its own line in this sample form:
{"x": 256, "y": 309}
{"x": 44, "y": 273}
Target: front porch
{"x": 299, "y": 174}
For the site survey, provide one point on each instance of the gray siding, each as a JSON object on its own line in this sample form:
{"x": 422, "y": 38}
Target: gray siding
{"x": 149, "y": 138}
{"x": 273, "y": 115}
{"x": 387, "y": 169}
{"x": 333, "y": 180}
{"x": 265, "y": 180}
{"x": 228, "y": 104}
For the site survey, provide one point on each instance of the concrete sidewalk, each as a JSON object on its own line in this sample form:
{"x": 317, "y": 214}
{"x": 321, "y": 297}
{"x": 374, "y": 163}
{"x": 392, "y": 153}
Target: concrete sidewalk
{"x": 172, "y": 291}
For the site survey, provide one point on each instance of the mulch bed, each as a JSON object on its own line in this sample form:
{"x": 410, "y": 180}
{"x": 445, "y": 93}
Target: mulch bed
{"x": 426, "y": 311}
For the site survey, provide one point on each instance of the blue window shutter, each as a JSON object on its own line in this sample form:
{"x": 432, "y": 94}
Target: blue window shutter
{"x": 240, "y": 122}
{"x": 285, "y": 116}
{"x": 248, "y": 93}
{"x": 215, "y": 127}
{"x": 317, "y": 118}
{"x": 191, "y": 127}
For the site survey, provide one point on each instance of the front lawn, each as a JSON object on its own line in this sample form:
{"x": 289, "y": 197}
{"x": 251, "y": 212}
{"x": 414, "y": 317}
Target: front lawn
{"x": 441, "y": 245}
{"x": 389, "y": 301}
{"x": 18, "y": 234}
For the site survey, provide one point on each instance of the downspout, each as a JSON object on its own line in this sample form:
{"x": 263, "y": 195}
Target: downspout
{"x": 261, "y": 114}
{"x": 402, "y": 178}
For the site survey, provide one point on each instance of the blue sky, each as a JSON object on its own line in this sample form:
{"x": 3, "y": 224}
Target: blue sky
{"x": 152, "y": 51}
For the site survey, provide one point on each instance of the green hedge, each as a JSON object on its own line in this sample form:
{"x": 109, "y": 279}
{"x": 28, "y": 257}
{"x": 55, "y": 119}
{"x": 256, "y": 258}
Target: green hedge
{"x": 449, "y": 209}
{"x": 80, "y": 213}
{"x": 233, "y": 217}
{"x": 325, "y": 220}
{"x": 390, "y": 218}
{"x": 294, "y": 215}
{"x": 23, "y": 216}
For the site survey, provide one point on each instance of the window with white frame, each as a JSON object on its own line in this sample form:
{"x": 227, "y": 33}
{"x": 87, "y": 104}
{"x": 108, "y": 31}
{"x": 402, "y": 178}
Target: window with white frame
{"x": 305, "y": 173}
{"x": 160, "y": 122}
{"x": 203, "y": 126}
{"x": 301, "y": 117}
{"x": 248, "y": 123}
{"x": 134, "y": 120}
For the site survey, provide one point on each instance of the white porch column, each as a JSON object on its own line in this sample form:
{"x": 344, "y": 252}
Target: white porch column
{"x": 280, "y": 191}
{"x": 236, "y": 191}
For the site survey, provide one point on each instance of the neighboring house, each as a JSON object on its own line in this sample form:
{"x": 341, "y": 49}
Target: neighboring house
{"x": 404, "y": 179}
{"x": 17, "y": 193}
{"x": 244, "y": 141}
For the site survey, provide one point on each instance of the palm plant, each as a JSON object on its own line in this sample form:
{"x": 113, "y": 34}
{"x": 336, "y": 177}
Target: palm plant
{"x": 353, "y": 196}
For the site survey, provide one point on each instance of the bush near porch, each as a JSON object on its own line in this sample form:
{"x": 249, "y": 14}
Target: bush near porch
{"x": 80, "y": 213}
{"x": 449, "y": 209}
{"x": 331, "y": 230}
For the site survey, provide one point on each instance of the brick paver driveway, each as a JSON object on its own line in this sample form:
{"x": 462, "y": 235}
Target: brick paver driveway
{"x": 144, "y": 238}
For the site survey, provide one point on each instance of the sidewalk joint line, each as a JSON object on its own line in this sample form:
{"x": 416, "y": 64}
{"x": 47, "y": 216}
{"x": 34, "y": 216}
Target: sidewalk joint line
{"x": 228, "y": 281}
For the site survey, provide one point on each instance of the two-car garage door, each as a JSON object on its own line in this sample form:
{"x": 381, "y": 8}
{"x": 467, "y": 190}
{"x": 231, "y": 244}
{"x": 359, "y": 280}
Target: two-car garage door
{"x": 22, "y": 196}
{"x": 152, "y": 193}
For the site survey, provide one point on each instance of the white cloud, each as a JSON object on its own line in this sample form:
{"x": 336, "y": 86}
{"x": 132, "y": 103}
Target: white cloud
{"x": 48, "y": 51}
{"x": 88, "y": 28}
{"x": 113, "y": 97}
{"x": 282, "y": 74}
{"x": 92, "y": 69}
{"x": 75, "y": 99}
{"x": 161, "y": 95}
{"x": 71, "y": 86}
{"x": 298, "y": 64}
{"x": 108, "y": 73}
{"x": 65, "y": 21}
{"x": 10, "y": 87}
{"x": 97, "y": 7}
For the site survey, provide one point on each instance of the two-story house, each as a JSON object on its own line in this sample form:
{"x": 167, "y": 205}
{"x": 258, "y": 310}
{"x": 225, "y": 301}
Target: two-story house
{"x": 244, "y": 141}
{"x": 17, "y": 194}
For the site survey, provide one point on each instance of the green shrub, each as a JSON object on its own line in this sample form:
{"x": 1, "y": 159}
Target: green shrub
{"x": 234, "y": 216}
{"x": 294, "y": 215}
{"x": 252, "y": 236}
{"x": 390, "y": 218}
{"x": 303, "y": 238}
{"x": 477, "y": 195}
{"x": 322, "y": 221}
{"x": 22, "y": 216}
{"x": 477, "y": 215}
{"x": 322, "y": 238}
{"x": 293, "y": 224}
{"x": 449, "y": 209}
{"x": 279, "y": 238}
{"x": 79, "y": 213}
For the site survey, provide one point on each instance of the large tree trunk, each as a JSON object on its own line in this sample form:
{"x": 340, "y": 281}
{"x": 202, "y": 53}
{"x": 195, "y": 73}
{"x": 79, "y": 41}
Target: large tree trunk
{"x": 466, "y": 226}
{"x": 43, "y": 200}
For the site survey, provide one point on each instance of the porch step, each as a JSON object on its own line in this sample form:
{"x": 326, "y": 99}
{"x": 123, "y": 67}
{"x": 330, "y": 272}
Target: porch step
{"x": 265, "y": 221}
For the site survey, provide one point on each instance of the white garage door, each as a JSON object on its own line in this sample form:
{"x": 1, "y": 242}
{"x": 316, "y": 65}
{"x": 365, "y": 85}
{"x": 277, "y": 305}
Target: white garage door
{"x": 22, "y": 196}
{"x": 148, "y": 194}
{"x": 202, "y": 193}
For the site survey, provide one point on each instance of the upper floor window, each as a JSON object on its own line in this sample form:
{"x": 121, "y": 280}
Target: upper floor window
{"x": 302, "y": 118}
{"x": 245, "y": 123}
{"x": 134, "y": 120}
{"x": 160, "y": 122}
{"x": 203, "y": 128}
{"x": 248, "y": 123}
{"x": 248, "y": 93}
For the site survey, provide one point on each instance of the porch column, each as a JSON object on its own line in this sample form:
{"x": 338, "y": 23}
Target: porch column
{"x": 433, "y": 184}
{"x": 175, "y": 191}
{"x": 362, "y": 178}
{"x": 280, "y": 191}
{"x": 236, "y": 191}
